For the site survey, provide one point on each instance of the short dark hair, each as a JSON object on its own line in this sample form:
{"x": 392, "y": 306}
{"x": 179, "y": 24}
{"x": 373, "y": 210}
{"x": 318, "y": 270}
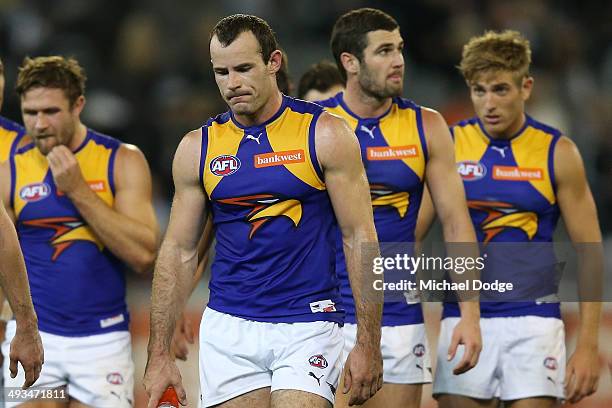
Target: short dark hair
{"x": 1, "y": 67}
{"x": 350, "y": 32}
{"x": 321, "y": 77}
{"x": 52, "y": 72}
{"x": 230, "y": 27}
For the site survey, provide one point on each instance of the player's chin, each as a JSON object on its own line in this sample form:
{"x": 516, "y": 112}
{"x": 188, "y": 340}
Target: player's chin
{"x": 242, "y": 108}
{"x": 394, "y": 90}
{"x": 45, "y": 147}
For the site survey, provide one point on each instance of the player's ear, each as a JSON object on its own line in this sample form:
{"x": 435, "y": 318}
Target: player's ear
{"x": 527, "y": 87}
{"x": 78, "y": 105}
{"x": 275, "y": 61}
{"x": 350, "y": 63}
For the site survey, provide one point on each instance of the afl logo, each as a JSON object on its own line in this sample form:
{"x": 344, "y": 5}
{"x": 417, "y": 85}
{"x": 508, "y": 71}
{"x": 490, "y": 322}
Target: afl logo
{"x": 419, "y": 350}
{"x": 115, "y": 378}
{"x": 224, "y": 165}
{"x": 318, "y": 361}
{"x": 35, "y": 192}
{"x": 550, "y": 363}
{"x": 471, "y": 170}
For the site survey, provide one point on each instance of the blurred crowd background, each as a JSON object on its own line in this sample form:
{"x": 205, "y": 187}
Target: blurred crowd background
{"x": 150, "y": 78}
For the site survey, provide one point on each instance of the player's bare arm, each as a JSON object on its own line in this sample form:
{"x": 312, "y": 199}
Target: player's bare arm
{"x": 580, "y": 217}
{"x": 26, "y": 346}
{"x": 184, "y": 332}
{"x": 338, "y": 152}
{"x": 426, "y": 217}
{"x": 448, "y": 196}
{"x": 129, "y": 228}
{"x": 175, "y": 268}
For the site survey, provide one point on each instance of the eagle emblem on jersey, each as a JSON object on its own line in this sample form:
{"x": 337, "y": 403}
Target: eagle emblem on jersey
{"x": 68, "y": 230}
{"x": 265, "y": 207}
{"x": 383, "y": 196}
{"x": 501, "y": 216}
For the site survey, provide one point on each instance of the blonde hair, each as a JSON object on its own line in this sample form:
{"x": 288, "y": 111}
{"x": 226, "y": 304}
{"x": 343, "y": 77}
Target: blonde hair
{"x": 496, "y": 51}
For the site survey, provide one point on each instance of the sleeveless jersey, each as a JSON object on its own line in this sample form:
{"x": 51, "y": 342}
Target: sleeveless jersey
{"x": 510, "y": 189}
{"x": 394, "y": 154}
{"x": 275, "y": 251}
{"x": 10, "y": 135}
{"x": 77, "y": 285}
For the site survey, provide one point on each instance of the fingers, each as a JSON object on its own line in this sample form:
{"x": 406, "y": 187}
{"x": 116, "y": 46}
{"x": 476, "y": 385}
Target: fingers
{"x": 581, "y": 385}
{"x": 570, "y": 382}
{"x": 13, "y": 366}
{"x": 154, "y": 396}
{"x": 189, "y": 332}
{"x": 180, "y": 392}
{"x": 31, "y": 375}
{"x": 355, "y": 397}
{"x": 464, "y": 364}
{"x": 452, "y": 348}
{"x": 348, "y": 380}
{"x": 180, "y": 350}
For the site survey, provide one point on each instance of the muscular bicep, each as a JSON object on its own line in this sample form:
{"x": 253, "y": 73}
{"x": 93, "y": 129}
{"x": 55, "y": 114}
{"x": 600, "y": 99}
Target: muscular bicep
{"x": 345, "y": 178}
{"x": 189, "y": 206}
{"x": 574, "y": 195}
{"x": 443, "y": 181}
{"x": 133, "y": 189}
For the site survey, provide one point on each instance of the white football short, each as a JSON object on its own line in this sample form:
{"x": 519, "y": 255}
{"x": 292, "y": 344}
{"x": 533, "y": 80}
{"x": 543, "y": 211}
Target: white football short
{"x": 98, "y": 369}
{"x": 238, "y": 356}
{"x": 404, "y": 349}
{"x": 521, "y": 357}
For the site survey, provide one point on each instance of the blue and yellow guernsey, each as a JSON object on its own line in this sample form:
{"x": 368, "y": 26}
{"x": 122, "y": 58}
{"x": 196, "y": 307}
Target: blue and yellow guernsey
{"x": 78, "y": 286}
{"x": 394, "y": 153}
{"x": 10, "y": 135}
{"x": 275, "y": 251}
{"x": 510, "y": 188}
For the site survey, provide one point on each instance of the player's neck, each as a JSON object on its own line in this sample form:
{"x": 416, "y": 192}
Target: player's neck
{"x": 265, "y": 113}
{"x": 363, "y": 104}
{"x": 512, "y": 130}
{"x": 78, "y": 137}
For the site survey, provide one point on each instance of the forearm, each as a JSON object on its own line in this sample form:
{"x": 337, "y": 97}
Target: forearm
{"x": 130, "y": 240}
{"x": 588, "y": 334}
{"x": 461, "y": 242}
{"x": 172, "y": 282}
{"x": 360, "y": 249}
{"x": 13, "y": 276}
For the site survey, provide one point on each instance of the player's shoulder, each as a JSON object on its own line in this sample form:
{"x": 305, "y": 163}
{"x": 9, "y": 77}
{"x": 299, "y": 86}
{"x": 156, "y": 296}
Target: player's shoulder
{"x": 543, "y": 127}
{"x": 219, "y": 120}
{"x": 11, "y": 126}
{"x": 105, "y": 140}
{"x": 332, "y": 102}
{"x": 464, "y": 125}
{"x": 405, "y": 103}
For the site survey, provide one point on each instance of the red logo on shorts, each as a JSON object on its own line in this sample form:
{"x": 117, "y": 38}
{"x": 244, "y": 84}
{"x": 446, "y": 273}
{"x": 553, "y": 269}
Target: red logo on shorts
{"x": 550, "y": 363}
{"x": 318, "y": 361}
{"x": 115, "y": 378}
{"x": 419, "y": 350}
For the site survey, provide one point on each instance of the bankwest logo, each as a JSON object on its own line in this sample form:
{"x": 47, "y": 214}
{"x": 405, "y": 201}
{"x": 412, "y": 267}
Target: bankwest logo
{"x": 516, "y": 173}
{"x": 278, "y": 158}
{"x": 392, "y": 153}
{"x": 98, "y": 186}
